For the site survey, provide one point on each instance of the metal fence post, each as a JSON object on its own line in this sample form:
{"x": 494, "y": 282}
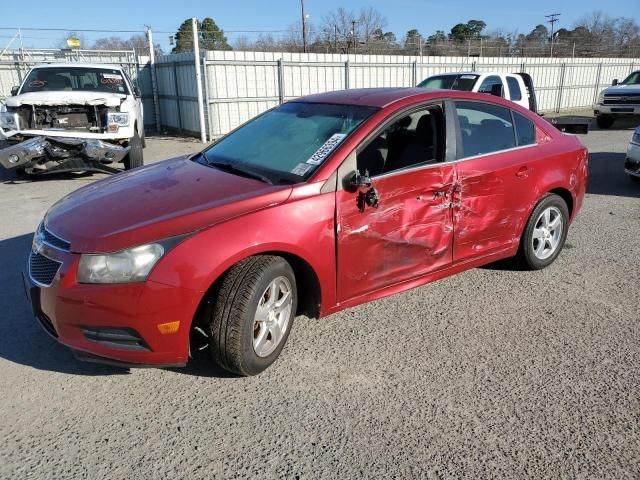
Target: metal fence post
{"x": 522, "y": 68}
{"x": 596, "y": 89}
{"x": 207, "y": 97}
{"x": 346, "y": 75}
{"x": 196, "y": 58}
{"x": 280, "y": 81}
{"x": 561, "y": 87}
{"x": 154, "y": 81}
{"x": 175, "y": 83}
{"x": 414, "y": 73}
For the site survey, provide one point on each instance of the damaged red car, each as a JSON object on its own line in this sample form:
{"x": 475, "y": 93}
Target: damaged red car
{"x": 317, "y": 205}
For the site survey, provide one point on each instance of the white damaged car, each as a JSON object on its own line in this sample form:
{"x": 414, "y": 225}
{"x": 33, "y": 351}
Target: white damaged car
{"x": 72, "y": 117}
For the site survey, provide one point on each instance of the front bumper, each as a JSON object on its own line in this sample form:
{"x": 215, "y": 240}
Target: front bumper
{"x": 114, "y": 324}
{"x": 616, "y": 110}
{"x": 632, "y": 163}
{"x": 49, "y": 154}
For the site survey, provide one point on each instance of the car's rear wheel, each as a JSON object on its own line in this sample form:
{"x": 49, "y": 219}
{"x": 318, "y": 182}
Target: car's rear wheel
{"x": 605, "y": 121}
{"x": 545, "y": 233}
{"x": 252, "y": 315}
{"x": 134, "y": 158}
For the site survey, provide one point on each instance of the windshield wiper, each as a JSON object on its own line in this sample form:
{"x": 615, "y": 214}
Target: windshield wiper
{"x": 238, "y": 170}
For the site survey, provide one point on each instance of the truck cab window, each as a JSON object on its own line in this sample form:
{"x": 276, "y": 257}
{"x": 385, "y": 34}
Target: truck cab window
{"x": 514, "y": 89}
{"x": 488, "y": 83}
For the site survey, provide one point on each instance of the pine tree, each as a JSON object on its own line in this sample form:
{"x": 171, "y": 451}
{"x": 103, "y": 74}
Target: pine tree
{"x": 211, "y": 36}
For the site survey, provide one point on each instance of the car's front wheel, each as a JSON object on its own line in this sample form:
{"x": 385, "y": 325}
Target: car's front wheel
{"x": 252, "y": 315}
{"x": 604, "y": 121}
{"x": 134, "y": 158}
{"x": 545, "y": 233}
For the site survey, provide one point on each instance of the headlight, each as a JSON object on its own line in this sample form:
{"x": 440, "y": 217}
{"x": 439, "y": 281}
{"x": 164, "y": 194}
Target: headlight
{"x": 600, "y": 98}
{"x": 132, "y": 265}
{"x": 118, "y": 118}
{"x": 9, "y": 121}
{"x": 636, "y": 137}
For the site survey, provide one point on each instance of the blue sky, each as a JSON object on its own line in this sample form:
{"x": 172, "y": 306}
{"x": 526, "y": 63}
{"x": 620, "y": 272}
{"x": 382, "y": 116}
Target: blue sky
{"x": 232, "y": 15}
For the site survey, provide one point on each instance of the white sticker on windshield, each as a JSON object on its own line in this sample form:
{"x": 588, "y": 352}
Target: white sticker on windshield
{"x": 113, "y": 76}
{"x": 468, "y": 77}
{"x": 301, "y": 169}
{"x": 324, "y": 151}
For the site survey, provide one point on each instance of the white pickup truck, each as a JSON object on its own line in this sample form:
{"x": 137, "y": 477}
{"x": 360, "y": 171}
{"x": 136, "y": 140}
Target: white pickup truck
{"x": 621, "y": 99}
{"x": 517, "y": 87}
{"x": 72, "y": 117}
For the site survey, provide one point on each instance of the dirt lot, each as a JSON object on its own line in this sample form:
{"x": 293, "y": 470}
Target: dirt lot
{"x": 493, "y": 373}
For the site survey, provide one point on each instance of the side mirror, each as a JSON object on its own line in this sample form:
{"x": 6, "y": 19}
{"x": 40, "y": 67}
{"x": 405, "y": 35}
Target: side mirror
{"x": 136, "y": 91}
{"x": 615, "y": 82}
{"x": 497, "y": 90}
{"x": 360, "y": 180}
{"x": 14, "y": 91}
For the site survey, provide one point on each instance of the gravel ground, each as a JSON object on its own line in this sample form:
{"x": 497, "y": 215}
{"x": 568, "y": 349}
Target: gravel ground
{"x": 493, "y": 373}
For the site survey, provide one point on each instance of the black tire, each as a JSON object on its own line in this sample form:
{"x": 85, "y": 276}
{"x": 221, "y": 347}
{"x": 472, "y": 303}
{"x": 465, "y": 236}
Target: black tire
{"x": 605, "y": 121}
{"x": 232, "y": 326}
{"x": 21, "y": 174}
{"x": 526, "y": 254}
{"x": 144, "y": 138}
{"x": 634, "y": 178}
{"x": 134, "y": 158}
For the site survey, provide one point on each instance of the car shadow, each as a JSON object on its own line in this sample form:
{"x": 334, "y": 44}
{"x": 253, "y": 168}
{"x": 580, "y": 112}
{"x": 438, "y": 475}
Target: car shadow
{"x": 607, "y": 176}
{"x": 24, "y": 342}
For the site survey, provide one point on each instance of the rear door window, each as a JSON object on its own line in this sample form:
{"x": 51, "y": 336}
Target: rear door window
{"x": 525, "y": 130}
{"x": 514, "y": 89}
{"x": 484, "y": 128}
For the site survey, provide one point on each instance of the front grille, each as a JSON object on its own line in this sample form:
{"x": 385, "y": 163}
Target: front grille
{"x": 52, "y": 239}
{"x": 42, "y": 270}
{"x": 622, "y": 99}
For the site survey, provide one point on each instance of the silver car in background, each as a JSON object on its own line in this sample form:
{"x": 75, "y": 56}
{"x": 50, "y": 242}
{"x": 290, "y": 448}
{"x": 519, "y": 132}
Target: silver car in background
{"x": 632, "y": 163}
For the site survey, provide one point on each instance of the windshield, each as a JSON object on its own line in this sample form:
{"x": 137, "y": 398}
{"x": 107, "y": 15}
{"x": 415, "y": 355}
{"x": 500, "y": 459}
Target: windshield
{"x": 75, "y": 79}
{"x": 464, "y": 82}
{"x": 633, "y": 79}
{"x": 288, "y": 143}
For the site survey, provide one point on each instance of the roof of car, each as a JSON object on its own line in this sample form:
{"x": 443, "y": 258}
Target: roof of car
{"x": 370, "y": 97}
{"x": 77, "y": 65}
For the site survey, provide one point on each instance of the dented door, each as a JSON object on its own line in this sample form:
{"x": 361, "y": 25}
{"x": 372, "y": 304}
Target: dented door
{"x": 409, "y": 233}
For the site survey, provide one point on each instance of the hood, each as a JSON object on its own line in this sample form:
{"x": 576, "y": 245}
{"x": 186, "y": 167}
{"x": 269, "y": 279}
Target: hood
{"x": 158, "y": 201}
{"x": 627, "y": 89}
{"x": 66, "y": 98}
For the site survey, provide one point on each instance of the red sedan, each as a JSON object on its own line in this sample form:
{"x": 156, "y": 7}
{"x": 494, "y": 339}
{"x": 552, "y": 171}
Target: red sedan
{"x": 317, "y": 205}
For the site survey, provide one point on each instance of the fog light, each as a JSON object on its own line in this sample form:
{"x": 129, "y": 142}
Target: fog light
{"x": 13, "y": 158}
{"x": 169, "y": 327}
{"x": 109, "y": 155}
{"x": 113, "y": 128}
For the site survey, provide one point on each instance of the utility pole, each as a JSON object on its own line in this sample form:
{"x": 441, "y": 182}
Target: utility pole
{"x": 553, "y": 18}
{"x": 304, "y": 28}
{"x": 355, "y": 38}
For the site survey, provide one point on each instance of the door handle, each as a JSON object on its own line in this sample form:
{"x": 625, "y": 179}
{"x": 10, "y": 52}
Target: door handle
{"x": 523, "y": 172}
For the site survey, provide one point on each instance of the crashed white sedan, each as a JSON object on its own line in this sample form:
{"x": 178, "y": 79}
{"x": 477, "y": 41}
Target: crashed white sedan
{"x": 72, "y": 117}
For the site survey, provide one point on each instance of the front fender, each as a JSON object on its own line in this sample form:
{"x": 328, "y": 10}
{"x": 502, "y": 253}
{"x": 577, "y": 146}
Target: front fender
{"x": 303, "y": 228}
